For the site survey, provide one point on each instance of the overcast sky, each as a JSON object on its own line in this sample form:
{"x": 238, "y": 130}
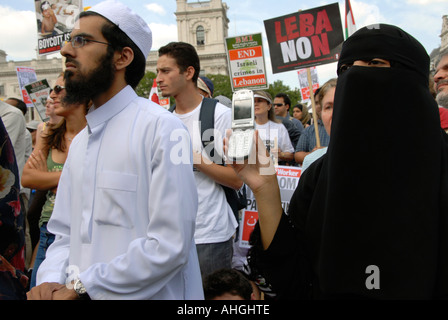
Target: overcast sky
{"x": 421, "y": 18}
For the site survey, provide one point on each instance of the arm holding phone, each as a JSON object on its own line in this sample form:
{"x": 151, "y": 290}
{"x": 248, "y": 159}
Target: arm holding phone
{"x": 258, "y": 172}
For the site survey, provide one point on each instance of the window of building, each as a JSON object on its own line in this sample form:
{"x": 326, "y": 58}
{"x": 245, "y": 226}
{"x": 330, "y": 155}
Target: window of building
{"x": 200, "y": 36}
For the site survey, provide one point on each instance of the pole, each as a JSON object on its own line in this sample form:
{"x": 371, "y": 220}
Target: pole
{"x": 313, "y": 106}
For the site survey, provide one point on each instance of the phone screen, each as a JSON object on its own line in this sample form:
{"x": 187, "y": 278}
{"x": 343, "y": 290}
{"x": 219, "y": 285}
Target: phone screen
{"x": 242, "y": 109}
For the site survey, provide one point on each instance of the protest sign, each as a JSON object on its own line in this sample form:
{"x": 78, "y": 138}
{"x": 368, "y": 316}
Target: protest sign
{"x": 303, "y": 81}
{"x": 39, "y": 92}
{"x": 55, "y": 21}
{"x": 288, "y": 179}
{"x": 164, "y": 102}
{"x": 246, "y": 62}
{"x": 25, "y": 75}
{"x": 305, "y": 38}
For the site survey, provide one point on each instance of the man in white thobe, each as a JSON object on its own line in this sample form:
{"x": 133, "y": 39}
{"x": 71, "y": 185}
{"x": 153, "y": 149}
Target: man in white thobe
{"x": 126, "y": 204}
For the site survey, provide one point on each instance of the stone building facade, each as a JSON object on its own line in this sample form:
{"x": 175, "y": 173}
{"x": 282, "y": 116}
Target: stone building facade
{"x": 435, "y": 54}
{"x": 204, "y": 24}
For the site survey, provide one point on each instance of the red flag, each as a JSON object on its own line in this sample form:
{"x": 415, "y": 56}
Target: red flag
{"x": 153, "y": 94}
{"x": 350, "y": 25}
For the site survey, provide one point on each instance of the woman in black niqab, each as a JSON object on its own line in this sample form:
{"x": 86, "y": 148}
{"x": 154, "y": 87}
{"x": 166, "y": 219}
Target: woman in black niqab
{"x": 370, "y": 218}
{"x": 377, "y": 225}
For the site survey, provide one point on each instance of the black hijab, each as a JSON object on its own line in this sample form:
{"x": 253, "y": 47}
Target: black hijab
{"x": 380, "y": 203}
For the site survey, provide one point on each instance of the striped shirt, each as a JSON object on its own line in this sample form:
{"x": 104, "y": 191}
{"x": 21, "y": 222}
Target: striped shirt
{"x": 307, "y": 140}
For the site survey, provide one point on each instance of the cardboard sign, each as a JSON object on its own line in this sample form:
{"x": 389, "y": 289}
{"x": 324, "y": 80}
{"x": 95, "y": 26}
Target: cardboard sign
{"x": 246, "y": 62}
{"x": 39, "y": 92}
{"x": 303, "y": 81}
{"x": 306, "y": 38}
{"x": 25, "y": 75}
{"x": 288, "y": 179}
{"x": 164, "y": 102}
{"x": 55, "y": 21}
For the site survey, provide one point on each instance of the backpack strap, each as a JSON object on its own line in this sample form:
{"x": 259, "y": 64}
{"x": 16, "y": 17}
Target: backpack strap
{"x": 235, "y": 199}
{"x": 206, "y": 116}
{"x": 207, "y": 119}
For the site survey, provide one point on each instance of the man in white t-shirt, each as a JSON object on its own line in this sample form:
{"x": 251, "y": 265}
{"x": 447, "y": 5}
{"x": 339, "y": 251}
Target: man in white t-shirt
{"x": 177, "y": 73}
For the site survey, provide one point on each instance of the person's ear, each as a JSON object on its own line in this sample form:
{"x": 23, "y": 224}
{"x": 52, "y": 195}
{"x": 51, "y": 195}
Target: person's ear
{"x": 123, "y": 58}
{"x": 189, "y": 73}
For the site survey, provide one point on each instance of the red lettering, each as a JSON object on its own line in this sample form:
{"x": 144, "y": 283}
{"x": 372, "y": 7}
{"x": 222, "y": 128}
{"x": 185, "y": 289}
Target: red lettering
{"x": 320, "y": 47}
{"x": 278, "y": 32}
{"x": 291, "y": 27}
{"x": 306, "y": 25}
{"x": 243, "y": 39}
{"x": 323, "y": 22}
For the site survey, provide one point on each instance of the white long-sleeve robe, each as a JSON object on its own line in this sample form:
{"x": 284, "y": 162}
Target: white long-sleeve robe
{"x": 125, "y": 212}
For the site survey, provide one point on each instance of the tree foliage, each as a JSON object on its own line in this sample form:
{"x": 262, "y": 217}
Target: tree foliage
{"x": 144, "y": 87}
{"x": 222, "y": 86}
{"x": 293, "y": 94}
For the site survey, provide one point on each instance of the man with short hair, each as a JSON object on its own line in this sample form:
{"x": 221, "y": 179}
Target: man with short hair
{"x": 20, "y": 104}
{"x": 282, "y": 103}
{"x": 441, "y": 88}
{"x": 177, "y": 75}
{"x": 125, "y": 210}
{"x": 441, "y": 80}
{"x": 295, "y": 128}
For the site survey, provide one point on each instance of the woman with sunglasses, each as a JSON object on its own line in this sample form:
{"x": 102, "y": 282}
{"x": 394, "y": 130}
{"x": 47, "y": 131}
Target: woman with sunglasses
{"x": 43, "y": 169}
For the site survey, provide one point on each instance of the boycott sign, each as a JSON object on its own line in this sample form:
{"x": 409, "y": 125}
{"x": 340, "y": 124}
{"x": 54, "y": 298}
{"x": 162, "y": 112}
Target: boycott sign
{"x": 246, "y": 62}
{"x": 306, "y": 38}
{"x": 288, "y": 179}
{"x": 38, "y": 92}
{"x": 55, "y": 21}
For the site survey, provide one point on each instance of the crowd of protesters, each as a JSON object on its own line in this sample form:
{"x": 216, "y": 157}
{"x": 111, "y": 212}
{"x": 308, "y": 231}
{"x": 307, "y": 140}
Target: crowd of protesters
{"x": 117, "y": 198}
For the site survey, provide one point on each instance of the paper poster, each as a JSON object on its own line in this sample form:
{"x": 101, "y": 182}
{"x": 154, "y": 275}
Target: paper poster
{"x": 25, "y": 76}
{"x": 39, "y": 92}
{"x": 303, "y": 81}
{"x": 288, "y": 179}
{"x": 305, "y": 38}
{"x": 55, "y": 21}
{"x": 246, "y": 62}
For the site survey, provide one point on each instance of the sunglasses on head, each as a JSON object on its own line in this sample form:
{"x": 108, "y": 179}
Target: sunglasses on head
{"x": 57, "y": 89}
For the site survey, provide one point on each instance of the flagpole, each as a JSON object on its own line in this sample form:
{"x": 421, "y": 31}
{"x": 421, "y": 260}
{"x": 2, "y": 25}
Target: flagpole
{"x": 350, "y": 25}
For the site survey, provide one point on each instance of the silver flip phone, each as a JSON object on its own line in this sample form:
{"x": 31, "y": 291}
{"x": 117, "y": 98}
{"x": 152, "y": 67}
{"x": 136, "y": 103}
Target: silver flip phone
{"x": 243, "y": 124}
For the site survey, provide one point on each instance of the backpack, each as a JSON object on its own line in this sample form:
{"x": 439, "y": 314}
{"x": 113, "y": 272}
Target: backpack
{"x": 236, "y": 199}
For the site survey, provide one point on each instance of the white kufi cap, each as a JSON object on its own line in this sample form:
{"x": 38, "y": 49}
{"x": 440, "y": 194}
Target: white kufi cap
{"x": 128, "y": 21}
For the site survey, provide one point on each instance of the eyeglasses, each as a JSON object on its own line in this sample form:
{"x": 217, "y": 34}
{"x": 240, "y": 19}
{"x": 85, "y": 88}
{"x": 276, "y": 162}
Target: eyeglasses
{"x": 57, "y": 89}
{"x": 278, "y": 104}
{"x": 80, "y": 41}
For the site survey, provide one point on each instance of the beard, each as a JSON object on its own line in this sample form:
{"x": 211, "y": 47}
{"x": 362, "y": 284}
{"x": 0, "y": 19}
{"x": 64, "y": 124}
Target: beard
{"x": 442, "y": 99}
{"x": 82, "y": 88}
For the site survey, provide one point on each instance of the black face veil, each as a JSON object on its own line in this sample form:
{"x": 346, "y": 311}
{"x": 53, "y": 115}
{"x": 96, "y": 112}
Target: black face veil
{"x": 381, "y": 199}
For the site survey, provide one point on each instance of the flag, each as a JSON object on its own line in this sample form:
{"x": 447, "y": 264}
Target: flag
{"x": 350, "y": 26}
{"x": 153, "y": 94}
